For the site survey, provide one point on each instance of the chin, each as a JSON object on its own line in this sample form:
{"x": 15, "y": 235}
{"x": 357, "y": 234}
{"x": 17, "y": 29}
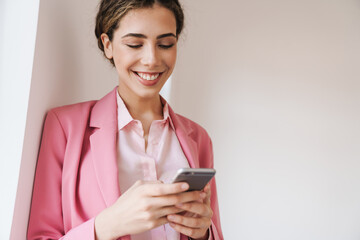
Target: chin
{"x": 148, "y": 94}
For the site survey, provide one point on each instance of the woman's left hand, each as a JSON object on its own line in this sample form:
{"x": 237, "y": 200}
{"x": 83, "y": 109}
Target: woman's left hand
{"x": 196, "y": 221}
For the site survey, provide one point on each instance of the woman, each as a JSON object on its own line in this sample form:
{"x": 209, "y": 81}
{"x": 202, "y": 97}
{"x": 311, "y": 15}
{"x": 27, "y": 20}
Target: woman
{"x": 102, "y": 164}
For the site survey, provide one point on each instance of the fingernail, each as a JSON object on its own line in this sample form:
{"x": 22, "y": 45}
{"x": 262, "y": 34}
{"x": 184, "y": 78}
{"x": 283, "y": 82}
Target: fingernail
{"x": 203, "y": 195}
{"x": 184, "y": 186}
{"x": 171, "y": 217}
{"x": 178, "y": 205}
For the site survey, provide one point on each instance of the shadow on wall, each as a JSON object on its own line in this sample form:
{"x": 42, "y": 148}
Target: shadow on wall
{"x": 68, "y": 67}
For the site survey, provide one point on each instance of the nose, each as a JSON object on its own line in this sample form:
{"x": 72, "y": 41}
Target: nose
{"x": 151, "y": 57}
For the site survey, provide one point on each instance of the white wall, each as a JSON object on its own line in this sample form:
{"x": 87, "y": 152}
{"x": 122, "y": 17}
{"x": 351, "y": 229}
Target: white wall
{"x": 276, "y": 84}
{"x": 17, "y": 37}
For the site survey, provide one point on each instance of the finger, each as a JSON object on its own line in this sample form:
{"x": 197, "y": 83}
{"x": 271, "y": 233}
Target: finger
{"x": 170, "y": 200}
{"x": 163, "y": 212}
{"x": 158, "y": 222}
{"x": 197, "y": 208}
{"x": 141, "y": 183}
{"x": 192, "y": 222}
{"x": 161, "y": 189}
{"x": 207, "y": 187}
{"x": 191, "y": 232}
{"x": 207, "y": 200}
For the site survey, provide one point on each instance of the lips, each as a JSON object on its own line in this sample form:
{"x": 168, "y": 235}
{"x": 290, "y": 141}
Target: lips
{"x": 148, "y": 78}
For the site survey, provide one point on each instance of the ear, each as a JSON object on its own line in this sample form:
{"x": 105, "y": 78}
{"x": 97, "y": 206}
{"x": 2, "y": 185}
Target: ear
{"x": 107, "y": 45}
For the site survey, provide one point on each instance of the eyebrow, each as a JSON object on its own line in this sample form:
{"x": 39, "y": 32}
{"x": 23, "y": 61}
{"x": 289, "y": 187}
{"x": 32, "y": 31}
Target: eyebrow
{"x": 139, "y": 35}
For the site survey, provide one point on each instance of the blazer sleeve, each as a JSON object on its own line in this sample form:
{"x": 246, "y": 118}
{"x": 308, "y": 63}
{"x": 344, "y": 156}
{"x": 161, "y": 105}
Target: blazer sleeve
{"x": 206, "y": 160}
{"x": 46, "y": 218}
{"x": 215, "y": 228}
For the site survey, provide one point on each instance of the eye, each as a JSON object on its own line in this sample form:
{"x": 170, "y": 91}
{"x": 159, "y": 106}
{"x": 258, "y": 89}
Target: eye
{"x": 134, "y": 46}
{"x": 166, "y": 46}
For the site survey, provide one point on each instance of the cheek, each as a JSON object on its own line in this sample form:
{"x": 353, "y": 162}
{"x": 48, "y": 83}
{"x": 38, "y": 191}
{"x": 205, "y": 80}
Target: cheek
{"x": 124, "y": 59}
{"x": 171, "y": 58}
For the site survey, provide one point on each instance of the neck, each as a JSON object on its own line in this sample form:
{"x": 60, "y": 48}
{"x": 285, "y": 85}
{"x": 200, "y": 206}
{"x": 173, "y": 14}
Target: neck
{"x": 142, "y": 108}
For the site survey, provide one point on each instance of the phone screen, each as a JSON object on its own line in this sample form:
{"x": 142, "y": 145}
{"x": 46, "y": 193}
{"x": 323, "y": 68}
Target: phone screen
{"x": 197, "y": 178}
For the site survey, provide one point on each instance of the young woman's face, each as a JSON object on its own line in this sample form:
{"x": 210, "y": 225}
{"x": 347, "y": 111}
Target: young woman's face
{"x": 144, "y": 50}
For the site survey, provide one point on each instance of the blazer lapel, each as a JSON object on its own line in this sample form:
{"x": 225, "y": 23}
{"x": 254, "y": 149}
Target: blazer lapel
{"x": 187, "y": 143}
{"x": 104, "y": 150}
{"x": 103, "y": 146}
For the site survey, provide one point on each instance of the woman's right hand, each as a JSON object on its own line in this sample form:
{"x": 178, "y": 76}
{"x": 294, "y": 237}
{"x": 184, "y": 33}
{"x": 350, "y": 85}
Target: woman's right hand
{"x": 144, "y": 206}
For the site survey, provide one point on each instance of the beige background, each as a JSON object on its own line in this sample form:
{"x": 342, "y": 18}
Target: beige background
{"x": 275, "y": 83}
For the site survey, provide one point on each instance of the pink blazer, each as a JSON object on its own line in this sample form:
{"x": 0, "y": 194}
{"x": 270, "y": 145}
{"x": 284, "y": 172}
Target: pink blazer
{"x": 77, "y": 177}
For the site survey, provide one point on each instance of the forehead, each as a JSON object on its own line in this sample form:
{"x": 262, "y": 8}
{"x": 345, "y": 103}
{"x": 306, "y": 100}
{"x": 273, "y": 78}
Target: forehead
{"x": 149, "y": 21}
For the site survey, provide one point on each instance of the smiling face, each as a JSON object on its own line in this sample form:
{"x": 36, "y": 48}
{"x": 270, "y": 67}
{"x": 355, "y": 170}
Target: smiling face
{"x": 144, "y": 51}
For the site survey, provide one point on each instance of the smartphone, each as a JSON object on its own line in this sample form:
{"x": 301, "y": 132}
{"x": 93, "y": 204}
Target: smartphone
{"x": 197, "y": 178}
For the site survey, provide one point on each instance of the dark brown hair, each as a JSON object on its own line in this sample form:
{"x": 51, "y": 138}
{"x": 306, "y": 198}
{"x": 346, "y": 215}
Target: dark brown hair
{"x": 111, "y": 11}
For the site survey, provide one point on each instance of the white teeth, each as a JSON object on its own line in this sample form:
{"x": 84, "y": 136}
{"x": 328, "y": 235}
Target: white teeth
{"x": 148, "y": 77}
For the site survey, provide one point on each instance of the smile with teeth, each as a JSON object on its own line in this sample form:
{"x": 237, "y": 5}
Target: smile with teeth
{"x": 147, "y": 76}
